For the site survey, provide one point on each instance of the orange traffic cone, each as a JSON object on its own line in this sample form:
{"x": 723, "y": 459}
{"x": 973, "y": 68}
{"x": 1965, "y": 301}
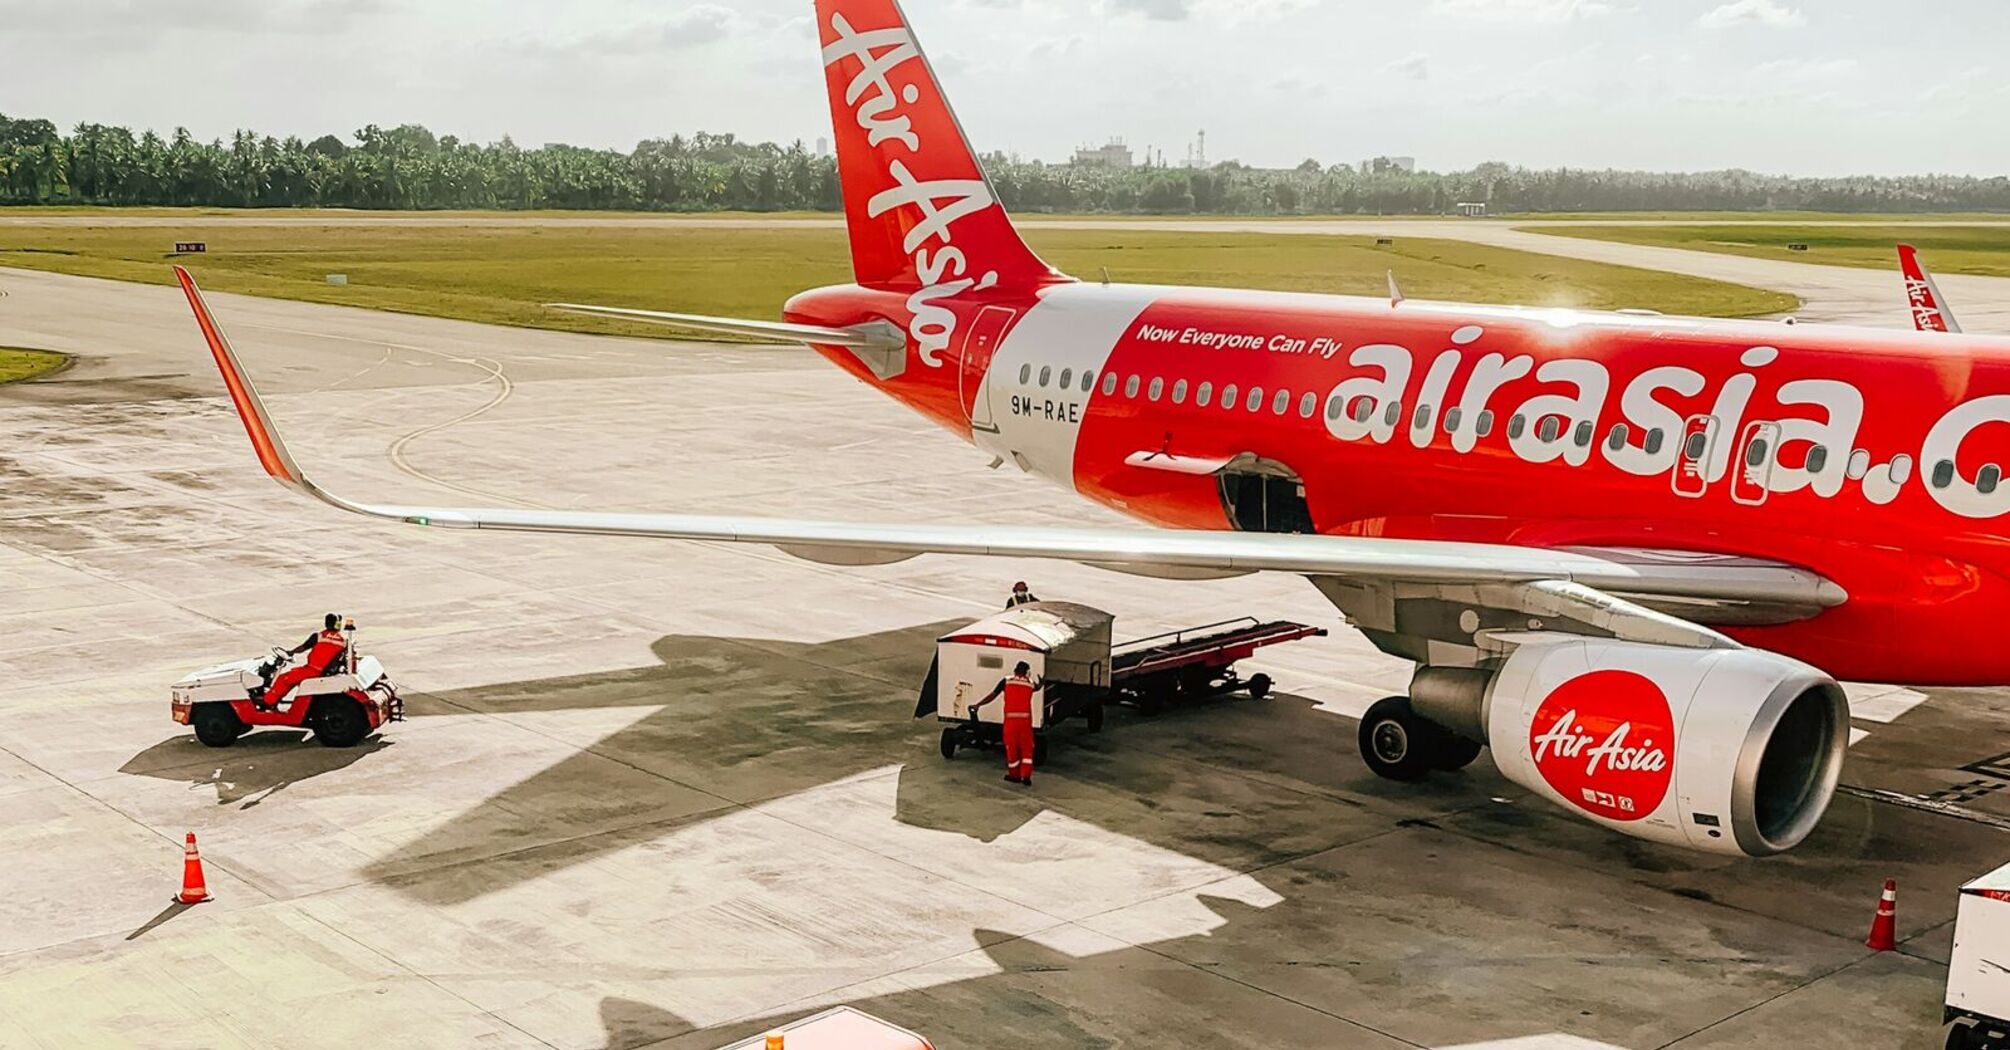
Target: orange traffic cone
{"x": 192, "y": 889}
{"x": 1884, "y": 928}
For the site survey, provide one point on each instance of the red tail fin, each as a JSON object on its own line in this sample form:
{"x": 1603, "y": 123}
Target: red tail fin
{"x": 922, "y": 213}
{"x": 1929, "y": 310}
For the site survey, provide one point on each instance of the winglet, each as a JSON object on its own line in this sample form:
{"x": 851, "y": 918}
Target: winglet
{"x": 1929, "y": 309}
{"x": 272, "y": 454}
{"x": 1395, "y": 293}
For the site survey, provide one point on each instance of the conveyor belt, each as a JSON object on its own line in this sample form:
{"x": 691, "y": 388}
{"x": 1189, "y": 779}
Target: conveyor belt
{"x": 1214, "y": 646}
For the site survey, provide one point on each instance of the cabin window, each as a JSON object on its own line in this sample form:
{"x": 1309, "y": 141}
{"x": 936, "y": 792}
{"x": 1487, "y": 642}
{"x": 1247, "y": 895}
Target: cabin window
{"x": 1364, "y": 410}
{"x": 1421, "y": 420}
{"x": 1617, "y": 439}
{"x": 1179, "y": 392}
{"x": 1088, "y": 381}
{"x": 1901, "y": 469}
{"x": 1859, "y": 464}
{"x": 1025, "y": 373}
{"x": 1228, "y": 398}
{"x": 1394, "y": 414}
{"x": 1692, "y": 449}
{"x": 1157, "y": 390}
{"x": 1516, "y": 424}
{"x": 1109, "y": 384}
{"x": 1307, "y": 405}
{"x": 1255, "y": 399}
{"x": 1549, "y": 428}
{"x": 1452, "y": 416}
{"x": 1755, "y": 453}
{"x": 1046, "y": 374}
{"x": 1985, "y": 482}
{"x": 1281, "y": 403}
{"x": 1582, "y": 437}
{"x": 1067, "y": 378}
{"x": 1205, "y": 395}
{"x": 1818, "y": 457}
{"x": 1655, "y": 439}
{"x": 1943, "y": 473}
{"x": 1131, "y": 387}
{"x": 1485, "y": 424}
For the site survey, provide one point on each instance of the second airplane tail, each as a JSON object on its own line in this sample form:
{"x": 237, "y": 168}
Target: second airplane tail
{"x": 921, "y": 212}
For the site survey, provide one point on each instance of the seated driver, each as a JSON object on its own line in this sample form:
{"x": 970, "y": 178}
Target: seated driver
{"x": 324, "y": 648}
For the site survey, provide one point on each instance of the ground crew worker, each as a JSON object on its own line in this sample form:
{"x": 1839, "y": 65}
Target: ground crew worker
{"x": 1021, "y": 595}
{"x": 1018, "y": 691}
{"x": 324, "y": 648}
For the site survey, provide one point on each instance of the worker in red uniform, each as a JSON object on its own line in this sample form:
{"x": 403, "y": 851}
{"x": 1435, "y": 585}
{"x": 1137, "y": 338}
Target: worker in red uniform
{"x": 325, "y": 650}
{"x": 1018, "y": 691}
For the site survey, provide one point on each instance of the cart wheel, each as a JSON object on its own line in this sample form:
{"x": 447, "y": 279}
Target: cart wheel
{"x": 949, "y": 743}
{"x": 216, "y": 724}
{"x": 1396, "y": 744}
{"x": 1259, "y": 686}
{"x": 1095, "y": 717}
{"x": 1960, "y": 1034}
{"x": 1039, "y": 751}
{"x": 338, "y": 721}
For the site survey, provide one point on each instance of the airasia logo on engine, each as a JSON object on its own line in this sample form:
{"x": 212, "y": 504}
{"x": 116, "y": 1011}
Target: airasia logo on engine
{"x": 1606, "y": 742}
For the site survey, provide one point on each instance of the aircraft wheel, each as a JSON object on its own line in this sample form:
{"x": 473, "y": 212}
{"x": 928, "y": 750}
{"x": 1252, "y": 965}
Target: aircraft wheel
{"x": 1454, "y": 752}
{"x": 216, "y": 724}
{"x": 1396, "y": 743}
{"x": 1259, "y": 686}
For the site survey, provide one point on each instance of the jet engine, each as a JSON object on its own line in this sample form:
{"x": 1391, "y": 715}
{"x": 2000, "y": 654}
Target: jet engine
{"x": 1732, "y": 751}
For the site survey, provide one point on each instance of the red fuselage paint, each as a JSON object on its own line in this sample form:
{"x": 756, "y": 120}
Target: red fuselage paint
{"x": 1918, "y": 544}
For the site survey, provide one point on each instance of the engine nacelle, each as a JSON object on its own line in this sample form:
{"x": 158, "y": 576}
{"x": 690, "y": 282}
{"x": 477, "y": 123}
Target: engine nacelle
{"x": 1724, "y": 750}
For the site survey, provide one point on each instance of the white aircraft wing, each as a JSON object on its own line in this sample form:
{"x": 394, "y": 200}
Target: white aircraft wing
{"x": 1582, "y": 581}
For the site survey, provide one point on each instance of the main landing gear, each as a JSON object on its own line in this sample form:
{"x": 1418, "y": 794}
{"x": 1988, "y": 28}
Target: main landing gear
{"x": 1399, "y": 744}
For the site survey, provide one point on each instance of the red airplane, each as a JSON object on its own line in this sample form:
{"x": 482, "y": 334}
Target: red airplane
{"x": 1630, "y": 553}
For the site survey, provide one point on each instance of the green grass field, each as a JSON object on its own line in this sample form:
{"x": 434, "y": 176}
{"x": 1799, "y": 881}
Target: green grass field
{"x": 1981, "y": 250}
{"x": 503, "y": 274}
{"x": 17, "y": 365}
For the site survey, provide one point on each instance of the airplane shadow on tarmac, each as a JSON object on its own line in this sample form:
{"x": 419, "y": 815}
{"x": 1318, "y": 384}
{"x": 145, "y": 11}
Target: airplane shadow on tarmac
{"x": 1453, "y": 911}
{"x": 259, "y": 765}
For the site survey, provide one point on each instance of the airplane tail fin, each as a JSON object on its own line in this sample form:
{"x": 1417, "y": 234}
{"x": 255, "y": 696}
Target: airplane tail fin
{"x": 920, "y": 210}
{"x": 1929, "y": 310}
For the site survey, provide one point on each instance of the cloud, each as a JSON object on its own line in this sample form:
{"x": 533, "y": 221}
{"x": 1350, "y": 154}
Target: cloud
{"x": 1769, "y": 13}
{"x": 694, "y": 26}
{"x": 1542, "y": 11}
{"x": 1414, "y": 67}
{"x": 1156, "y": 10}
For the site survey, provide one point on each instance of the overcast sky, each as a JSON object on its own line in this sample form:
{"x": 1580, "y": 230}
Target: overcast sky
{"x": 1800, "y": 86}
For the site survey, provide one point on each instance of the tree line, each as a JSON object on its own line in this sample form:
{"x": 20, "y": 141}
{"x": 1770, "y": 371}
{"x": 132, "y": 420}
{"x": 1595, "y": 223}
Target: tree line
{"x": 408, "y": 167}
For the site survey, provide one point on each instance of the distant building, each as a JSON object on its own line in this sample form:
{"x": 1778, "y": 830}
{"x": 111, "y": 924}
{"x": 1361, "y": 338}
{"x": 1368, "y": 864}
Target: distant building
{"x": 1471, "y": 209}
{"x": 1114, "y": 154}
{"x": 823, "y": 147}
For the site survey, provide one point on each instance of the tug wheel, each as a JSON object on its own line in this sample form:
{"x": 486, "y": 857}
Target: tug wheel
{"x": 949, "y": 743}
{"x": 216, "y": 724}
{"x": 339, "y": 721}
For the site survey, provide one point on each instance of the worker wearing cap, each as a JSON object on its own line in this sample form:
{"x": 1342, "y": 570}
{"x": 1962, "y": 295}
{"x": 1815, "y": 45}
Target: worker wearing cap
{"x": 324, "y": 648}
{"x": 1021, "y": 595}
{"x": 1018, "y": 690}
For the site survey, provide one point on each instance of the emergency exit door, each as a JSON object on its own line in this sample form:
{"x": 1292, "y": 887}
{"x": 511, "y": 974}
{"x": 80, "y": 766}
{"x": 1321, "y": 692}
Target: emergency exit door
{"x": 1693, "y": 455}
{"x": 980, "y": 344}
{"x": 1758, "y": 452}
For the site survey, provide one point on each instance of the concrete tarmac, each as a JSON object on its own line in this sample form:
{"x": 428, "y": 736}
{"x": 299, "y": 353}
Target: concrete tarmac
{"x": 666, "y": 795}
